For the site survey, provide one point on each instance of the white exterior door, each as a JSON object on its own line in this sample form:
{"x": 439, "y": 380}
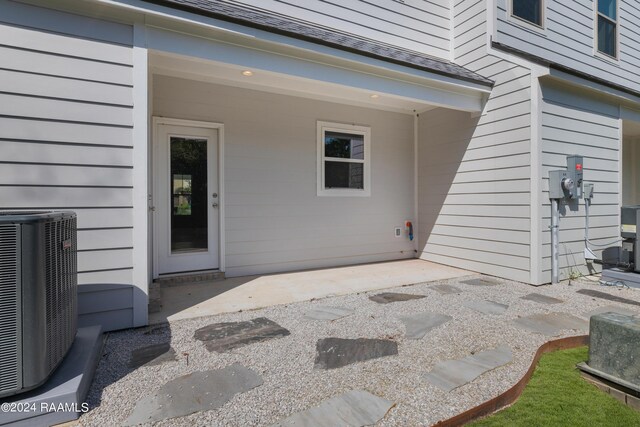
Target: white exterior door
{"x": 186, "y": 199}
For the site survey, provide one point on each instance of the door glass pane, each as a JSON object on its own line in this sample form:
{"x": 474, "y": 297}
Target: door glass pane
{"x": 189, "y": 206}
{"x": 343, "y": 175}
{"x": 343, "y": 145}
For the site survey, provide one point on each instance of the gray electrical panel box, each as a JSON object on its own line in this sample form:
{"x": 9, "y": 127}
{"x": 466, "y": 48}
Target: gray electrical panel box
{"x": 567, "y": 184}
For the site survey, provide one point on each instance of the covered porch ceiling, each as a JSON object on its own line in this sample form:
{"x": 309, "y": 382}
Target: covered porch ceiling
{"x": 383, "y": 96}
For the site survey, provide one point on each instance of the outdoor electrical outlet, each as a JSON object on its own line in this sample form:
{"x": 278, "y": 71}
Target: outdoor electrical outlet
{"x": 398, "y": 231}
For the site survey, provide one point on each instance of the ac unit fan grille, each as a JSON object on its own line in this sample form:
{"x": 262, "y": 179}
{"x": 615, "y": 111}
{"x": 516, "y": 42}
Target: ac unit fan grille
{"x": 61, "y": 283}
{"x": 10, "y": 374}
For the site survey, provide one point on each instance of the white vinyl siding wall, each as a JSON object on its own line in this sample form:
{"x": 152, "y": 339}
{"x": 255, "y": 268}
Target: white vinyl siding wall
{"x": 576, "y": 123}
{"x": 474, "y": 173}
{"x": 418, "y": 25}
{"x": 569, "y": 39}
{"x": 66, "y": 130}
{"x": 274, "y": 219}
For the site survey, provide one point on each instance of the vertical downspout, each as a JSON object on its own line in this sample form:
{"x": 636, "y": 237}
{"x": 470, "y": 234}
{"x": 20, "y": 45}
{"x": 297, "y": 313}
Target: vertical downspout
{"x": 416, "y": 164}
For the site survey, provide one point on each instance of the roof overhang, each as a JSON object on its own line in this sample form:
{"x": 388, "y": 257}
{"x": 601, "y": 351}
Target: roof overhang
{"x": 282, "y": 63}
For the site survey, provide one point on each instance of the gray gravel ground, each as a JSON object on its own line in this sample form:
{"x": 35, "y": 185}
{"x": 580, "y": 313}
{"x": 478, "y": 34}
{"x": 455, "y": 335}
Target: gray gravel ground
{"x": 291, "y": 384}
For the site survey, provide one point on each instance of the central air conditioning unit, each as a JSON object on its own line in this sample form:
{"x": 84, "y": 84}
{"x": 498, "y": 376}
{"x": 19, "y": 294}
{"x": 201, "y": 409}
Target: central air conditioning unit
{"x": 38, "y": 296}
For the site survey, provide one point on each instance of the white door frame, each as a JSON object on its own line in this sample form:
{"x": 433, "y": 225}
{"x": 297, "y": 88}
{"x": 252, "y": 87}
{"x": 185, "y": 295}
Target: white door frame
{"x": 157, "y": 121}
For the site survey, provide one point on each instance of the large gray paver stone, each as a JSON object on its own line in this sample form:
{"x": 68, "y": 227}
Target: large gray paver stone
{"x": 551, "y": 324}
{"x": 614, "y": 346}
{"x": 387, "y": 297}
{"x": 486, "y": 306}
{"x": 606, "y": 296}
{"x": 195, "y": 392}
{"x": 334, "y": 353}
{"x": 451, "y": 374}
{"x": 355, "y": 408}
{"x": 328, "y": 313}
{"x": 611, "y": 309}
{"x": 221, "y": 337}
{"x": 151, "y": 355}
{"x": 417, "y": 325}
{"x": 542, "y": 299}
{"x": 446, "y": 289}
{"x": 482, "y": 281}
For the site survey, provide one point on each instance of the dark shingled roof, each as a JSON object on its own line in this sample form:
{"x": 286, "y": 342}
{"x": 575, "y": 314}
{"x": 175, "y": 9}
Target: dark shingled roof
{"x": 306, "y": 31}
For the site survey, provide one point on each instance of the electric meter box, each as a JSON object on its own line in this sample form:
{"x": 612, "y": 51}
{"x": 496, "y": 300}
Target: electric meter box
{"x": 567, "y": 184}
{"x": 574, "y": 167}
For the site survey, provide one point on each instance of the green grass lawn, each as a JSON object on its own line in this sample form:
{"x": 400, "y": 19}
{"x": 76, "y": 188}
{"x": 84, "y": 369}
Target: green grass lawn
{"x": 558, "y": 396}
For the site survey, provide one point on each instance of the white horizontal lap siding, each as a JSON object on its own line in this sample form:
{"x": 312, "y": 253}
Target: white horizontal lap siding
{"x": 274, "y": 219}
{"x": 474, "y": 173}
{"x": 573, "y": 123}
{"x": 568, "y": 39}
{"x": 418, "y": 25}
{"x": 66, "y": 129}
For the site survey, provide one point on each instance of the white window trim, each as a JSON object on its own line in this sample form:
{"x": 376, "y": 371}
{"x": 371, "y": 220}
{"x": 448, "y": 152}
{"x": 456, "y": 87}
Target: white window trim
{"x": 596, "y": 51}
{"x": 528, "y": 24}
{"x": 365, "y": 131}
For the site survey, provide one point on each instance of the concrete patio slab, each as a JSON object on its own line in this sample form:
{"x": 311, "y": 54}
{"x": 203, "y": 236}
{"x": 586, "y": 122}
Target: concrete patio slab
{"x": 451, "y": 374}
{"x": 486, "y": 306}
{"x": 551, "y": 324}
{"x": 445, "y": 289}
{"x": 389, "y": 297}
{"x": 328, "y": 313}
{"x": 542, "y": 299}
{"x": 199, "y": 391}
{"x": 606, "y": 296}
{"x": 334, "y": 353}
{"x": 417, "y": 325}
{"x": 611, "y": 309}
{"x": 252, "y": 292}
{"x": 221, "y": 337}
{"x": 152, "y": 355}
{"x": 355, "y": 408}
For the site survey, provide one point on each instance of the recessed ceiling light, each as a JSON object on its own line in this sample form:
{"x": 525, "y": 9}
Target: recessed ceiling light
{"x": 374, "y": 96}
{"x": 247, "y": 73}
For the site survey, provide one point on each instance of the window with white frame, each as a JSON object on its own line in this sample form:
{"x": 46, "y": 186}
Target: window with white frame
{"x": 528, "y": 10}
{"x": 343, "y": 160}
{"x": 607, "y": 27}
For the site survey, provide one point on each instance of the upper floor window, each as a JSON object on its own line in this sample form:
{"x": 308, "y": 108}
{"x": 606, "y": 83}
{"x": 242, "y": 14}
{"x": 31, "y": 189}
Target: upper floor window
{"x": 529, "y": 10}
{"x": 607, "y": 27}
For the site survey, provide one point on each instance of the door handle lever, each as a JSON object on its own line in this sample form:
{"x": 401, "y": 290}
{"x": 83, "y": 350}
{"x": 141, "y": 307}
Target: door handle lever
{"x": 215, "y": 205}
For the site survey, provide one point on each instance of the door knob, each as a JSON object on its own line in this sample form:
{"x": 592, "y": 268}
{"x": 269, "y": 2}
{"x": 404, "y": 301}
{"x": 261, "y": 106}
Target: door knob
{"x": 215, "y": 195}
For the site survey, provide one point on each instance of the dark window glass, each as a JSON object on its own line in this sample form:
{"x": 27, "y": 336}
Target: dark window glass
{"x": 529, "y": 10}
{"x": 607, "y": 8}
{"x": 343, "y": 145}
{"x": 343, "y": 175}
{"x": 606, "y": 36}
{"x": 189, "y": 205}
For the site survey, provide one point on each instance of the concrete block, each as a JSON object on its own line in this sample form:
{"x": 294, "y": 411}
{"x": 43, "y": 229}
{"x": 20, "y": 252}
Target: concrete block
{"x": 633, "y": 402}
{"x": 66, "y": 388}
{"x": 614, "y": 346}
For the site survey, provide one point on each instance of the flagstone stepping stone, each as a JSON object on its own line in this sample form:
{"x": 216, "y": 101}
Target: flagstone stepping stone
{"x": 387, "y": 297}
{"x": 334, "y": 353}
{"x": 328, "y": 313}
{"x": 355, "y": 408}
{"x": 611, "y": 309}
{"x": 417, "y": 325}
{"x": 551, "y": 324}
{"x": 195, "y": 392}
{"x": 451, "y": 374}
{"x": 151, "y": 355}
{"x": 446, "y": 289}
{"x": 482, "y": 281}
{"x": 486, "y": 306}
{"x": 542, "y": 299}
{"x": 608, "y": 297}
{"x": 221, "y": 337}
